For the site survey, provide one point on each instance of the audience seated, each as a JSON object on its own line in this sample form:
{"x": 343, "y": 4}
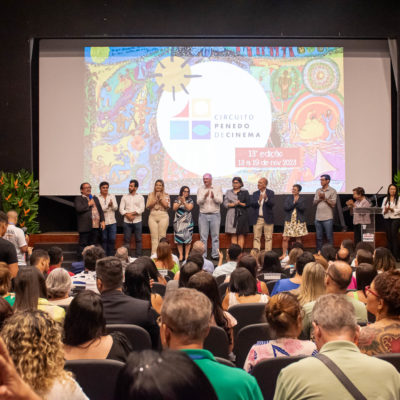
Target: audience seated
{"x": 205, "y": 283}
{"x": 164, "y": 259}
{"x": 284, "y": 258}
{"x": 365, "y": 274}
{"x": 56, "y": 259}
{"x": 349, "y": 245}
{"x": 174, "y": 257}
{"x": 283, "y": 313}
{"x": 343, "y": 254}
{"x": 312, "y": 283}
{"x": 242, "y": 289}
{"x": 152, "y": 270}
{"x": 5, "y": 284}
{"x": 150, "y": 375}
{"x": 118, "y": 307}
{"x": 41, "y": 260}
{"x": 34, "y": 342}
{"x": 85, "y": 332}
{"x": 199, "y": 248}
{"x": 328, "y": 251}
{"x": 58, "y": 284}
{"x": 285, "y": 285}
{"x": 336, "y": 333}
{"x": 123, "y": 254}
{"x": 362, "y": 257}
{"x": 294, "y": 254}
{"x": 383, "y": 259}
{"x": 8, "y": 254}
{"x": 249, "y": 262}
{"x": 337, "y": 280}
{"x": 232, "y": 255}
{"x": 31, "y": 294}
{"x": 79, "y": 266}
{"x": 185, "y": 317}
{"x": 87, "y": 278}
{"x": 383, "y": 300}
{"x": 271, "y": 267}
{"x": 137, "y": 284}
{"x": 5, "y": 311}
{"x": 362, "y": 246}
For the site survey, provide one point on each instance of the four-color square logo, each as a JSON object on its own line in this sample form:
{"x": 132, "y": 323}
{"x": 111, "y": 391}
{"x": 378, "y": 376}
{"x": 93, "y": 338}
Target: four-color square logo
{"x": 198, "y": 126}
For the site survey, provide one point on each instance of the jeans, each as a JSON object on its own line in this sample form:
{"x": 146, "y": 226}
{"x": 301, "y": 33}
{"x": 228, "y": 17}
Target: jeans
{"x": 209, "y": 224}
{"x": 137, "y": 230}
{"x": 109, "y": 235}
{"x": 320, "y": 227}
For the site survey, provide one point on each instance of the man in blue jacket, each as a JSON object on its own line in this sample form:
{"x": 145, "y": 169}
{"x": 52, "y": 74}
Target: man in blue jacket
{"x": 261, "y": 214}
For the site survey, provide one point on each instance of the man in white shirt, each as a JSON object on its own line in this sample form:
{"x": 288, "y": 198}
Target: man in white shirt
{"x": 234, "y": 252}
{"x": 132, "y": 208}
{"x": 16, "y": 236}
{"x": 209, "y": 198}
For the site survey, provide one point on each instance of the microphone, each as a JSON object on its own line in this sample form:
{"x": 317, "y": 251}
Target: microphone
{"x": 90, "y": 197}
{"x": 375, "y": 196}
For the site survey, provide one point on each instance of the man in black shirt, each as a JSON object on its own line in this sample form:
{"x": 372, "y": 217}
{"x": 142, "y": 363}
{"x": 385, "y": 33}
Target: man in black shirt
{"x": 8, "y": 254}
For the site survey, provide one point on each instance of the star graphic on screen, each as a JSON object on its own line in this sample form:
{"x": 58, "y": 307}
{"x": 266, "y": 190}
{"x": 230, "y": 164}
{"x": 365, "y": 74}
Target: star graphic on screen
{"x": 173, "y": 75}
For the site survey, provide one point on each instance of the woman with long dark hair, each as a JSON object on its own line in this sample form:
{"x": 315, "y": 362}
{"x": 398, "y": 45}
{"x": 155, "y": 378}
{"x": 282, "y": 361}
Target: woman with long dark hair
{"x": 391, "y": 213}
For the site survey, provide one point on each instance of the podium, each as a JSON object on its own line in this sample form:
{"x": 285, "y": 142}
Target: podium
{"x": 368, "y": 229}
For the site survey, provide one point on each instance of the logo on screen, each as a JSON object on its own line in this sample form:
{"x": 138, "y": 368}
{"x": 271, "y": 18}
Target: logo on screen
{"x": 193, "y": 121}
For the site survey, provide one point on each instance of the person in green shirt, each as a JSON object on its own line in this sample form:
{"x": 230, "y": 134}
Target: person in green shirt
{"x": 184, "y": 324}
{"x": 336, "y": 335}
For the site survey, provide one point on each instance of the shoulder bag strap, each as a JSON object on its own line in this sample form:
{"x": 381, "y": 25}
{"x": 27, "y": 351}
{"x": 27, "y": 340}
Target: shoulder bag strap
{"x": 344, "y": 380}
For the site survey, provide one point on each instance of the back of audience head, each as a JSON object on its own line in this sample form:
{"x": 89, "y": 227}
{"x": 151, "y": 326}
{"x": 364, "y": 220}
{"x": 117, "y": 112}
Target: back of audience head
{"x": 164, "y": 253}
{"x": 383, "y": 259}
{"x": 123, "y": 254}
{"x": 234, "y": 252}
{"x": 321, "y": 260}
{"x": 243, "y": 282}
{"x": 249, "y": 262}
{"x": 283, "y": 313}
{"x": 312, "y": 283}
{"x": 40, "y": 360}
{"x": 29, "y": 287}
{"x": 294, "y": 254}
{"x": 150, "y": 375}
{"x": 40, "y": 259}
{"x": 387, "y": 286}
{"x": 189, "y": 269}
{"x": 297, "y": 245}
{"x": 91, "y": 256}
{"x": 338, "y": 277}
{"x": 137, "y": 281}
{"x": 364, "y": 246}
{"x": 56, "y": 255}
{"x": 328, "y": 252}
{"x": 349, "y": 245}
{"x": 109, "y": 273}
{"x": 5, "y": 279}
{"x": 198, "y": 247}
{"x": 196, "y": 258}
{"x": 84, "y": 320}
{"x": 186, "y": 315}
{"x": 365, "y": 274}
{"x": 5, "y": 311}
{"x": 302, "y": 261}
{"x": 148, "y": 263}
{"x": 333, "y": 316}
{"x": 58, "y": 284}
{"x": 271, "y": 263}
{"x": 343, "y": 255}
{"x": 364, "y": 256}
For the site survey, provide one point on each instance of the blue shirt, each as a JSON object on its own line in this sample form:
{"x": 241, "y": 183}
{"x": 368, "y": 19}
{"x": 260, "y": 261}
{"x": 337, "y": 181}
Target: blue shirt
{"x": 284, "y": 285}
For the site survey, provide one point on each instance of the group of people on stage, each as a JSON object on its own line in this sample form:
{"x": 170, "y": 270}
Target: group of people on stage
{"x": 96, "y": 215}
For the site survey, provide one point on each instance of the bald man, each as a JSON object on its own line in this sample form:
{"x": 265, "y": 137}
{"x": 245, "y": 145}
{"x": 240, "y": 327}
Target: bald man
{"x": 337, "y": 279}
{"x": 261, "y": 214}
{"x": 209, "y": 199}
{"x": 16, "y": 236}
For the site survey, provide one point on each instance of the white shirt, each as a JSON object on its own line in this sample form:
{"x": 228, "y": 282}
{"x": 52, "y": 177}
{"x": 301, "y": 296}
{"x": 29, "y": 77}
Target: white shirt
{"x": 225, "y": 269}
{"x": 396, "y": 209}
{"x": 109, "y": 212}
{"x": 260, "y": 209}
{"x": 132, "y": 203}
{"x": 16, "y": 236}
{"x": 209, "y": 205}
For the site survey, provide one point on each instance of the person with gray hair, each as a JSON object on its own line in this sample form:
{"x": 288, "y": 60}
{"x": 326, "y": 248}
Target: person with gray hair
{"x": 184, "y": 324}
{"x": 336, "y": 334}
{"x": 58, "y": 284}
{"x": 199, "y": 248}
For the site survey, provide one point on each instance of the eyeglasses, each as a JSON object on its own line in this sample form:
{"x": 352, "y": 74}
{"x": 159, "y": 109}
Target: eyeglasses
{"x": 369, "y": 290}
{"x": 185, "y": 191}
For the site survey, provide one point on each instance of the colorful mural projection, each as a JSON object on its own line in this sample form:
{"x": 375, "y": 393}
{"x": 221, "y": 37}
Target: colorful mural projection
{"x": 177, "y": 112}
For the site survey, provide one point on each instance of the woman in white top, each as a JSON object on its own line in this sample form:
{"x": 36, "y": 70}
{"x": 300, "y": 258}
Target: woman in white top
{"x": 391, "y": 213}
{"x": 109, "y": 205}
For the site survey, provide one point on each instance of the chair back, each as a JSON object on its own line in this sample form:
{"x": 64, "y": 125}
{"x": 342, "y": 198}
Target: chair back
{"x": 222, "y": 289}
{"x": 220, "y": 279}
{"x": 217, "y": 342}
{"x": 158, "y": 288}
{"x": 96, "y": 377}
{"x": 138, "y": 337}
{"x": 266, "y": 372}
{"x": 247, "y": 314}
{"x": 392, "y": 358}
{"x": 249, "y": 336}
